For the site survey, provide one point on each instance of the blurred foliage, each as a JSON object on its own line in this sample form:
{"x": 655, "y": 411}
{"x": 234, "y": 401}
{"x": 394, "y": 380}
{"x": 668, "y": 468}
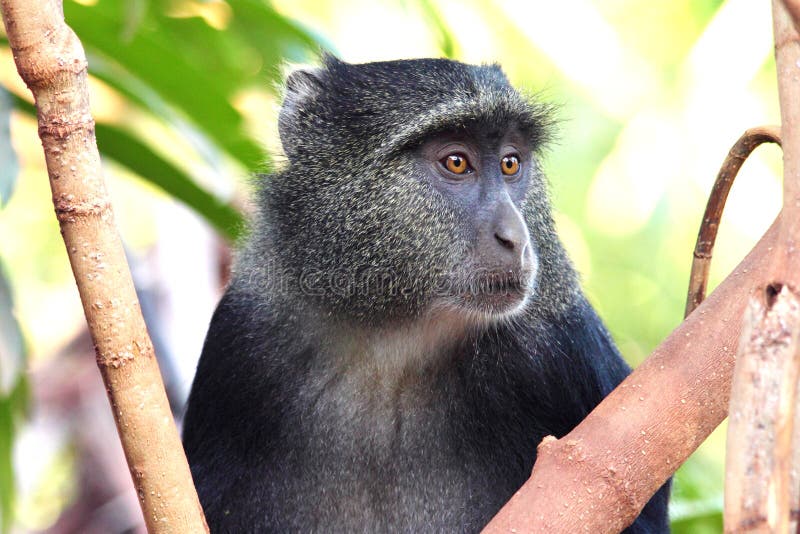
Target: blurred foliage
{"x": 13, "y": 394}
{"x": 651, "y": 96}
{"x": 10, "y": 166}
{"x": 13, "y": 383}
{"x": 178, "y": 67}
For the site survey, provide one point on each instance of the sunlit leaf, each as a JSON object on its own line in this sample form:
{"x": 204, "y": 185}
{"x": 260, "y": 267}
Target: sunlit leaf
{"x": 135, "y": 11}
{"x": 139, "y": 158}
{"x": 276, "y": 38}
{"x": 7, "y": 483}
{"x": 195, "y": 68}
{"x": 447, "y": 43}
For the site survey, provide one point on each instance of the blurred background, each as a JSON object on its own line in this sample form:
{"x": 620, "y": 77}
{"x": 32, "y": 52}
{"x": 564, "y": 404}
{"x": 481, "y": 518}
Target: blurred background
{"x": 651, "y": 96}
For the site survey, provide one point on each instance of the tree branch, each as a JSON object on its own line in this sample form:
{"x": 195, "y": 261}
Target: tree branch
{"x": 793, "y": 7}
{"x": 594, "y": 480}
{"x": 51, "y": 61}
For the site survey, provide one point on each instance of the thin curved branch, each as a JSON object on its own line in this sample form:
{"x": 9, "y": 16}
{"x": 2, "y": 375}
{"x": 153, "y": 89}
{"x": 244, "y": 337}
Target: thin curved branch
{"x": 704, "y": 248}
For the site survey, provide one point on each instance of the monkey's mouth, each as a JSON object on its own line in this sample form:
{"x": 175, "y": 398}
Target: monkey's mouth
{"x": 496, "y": 293}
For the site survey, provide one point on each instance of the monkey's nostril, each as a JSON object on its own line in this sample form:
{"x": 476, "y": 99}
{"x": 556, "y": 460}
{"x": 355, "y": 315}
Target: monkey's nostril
{"x": 507, "y": 243}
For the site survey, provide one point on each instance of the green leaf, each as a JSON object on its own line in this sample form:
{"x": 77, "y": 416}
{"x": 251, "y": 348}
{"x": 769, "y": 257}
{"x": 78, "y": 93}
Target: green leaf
{"x": 135, "y": 12}
{"x": 122, "y": 147}
{"x": 202, "y": 93}
{"x": 10, "y": 165}
{"x": 7, "y": 483}
{"x": 275, "y": 38}
{"x": 139, "y": 158}
{"x": 192, "y": 67}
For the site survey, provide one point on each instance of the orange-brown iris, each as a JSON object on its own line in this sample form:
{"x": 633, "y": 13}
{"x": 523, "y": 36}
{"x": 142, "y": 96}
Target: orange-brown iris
{"x": 456, "y": 163}
{"x": 510, "y": 165}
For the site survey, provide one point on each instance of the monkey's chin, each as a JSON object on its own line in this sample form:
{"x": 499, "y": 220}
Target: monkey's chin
{"x": 492, "y": 306}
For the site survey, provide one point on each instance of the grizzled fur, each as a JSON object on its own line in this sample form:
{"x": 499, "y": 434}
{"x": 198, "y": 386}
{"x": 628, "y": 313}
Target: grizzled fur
{"x": 323, "y": 408}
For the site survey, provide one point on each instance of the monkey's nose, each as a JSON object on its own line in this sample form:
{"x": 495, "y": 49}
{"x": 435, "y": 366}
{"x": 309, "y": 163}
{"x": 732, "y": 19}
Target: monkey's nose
{"x": 509, "y": 228}
{"x": 505, "y": 241}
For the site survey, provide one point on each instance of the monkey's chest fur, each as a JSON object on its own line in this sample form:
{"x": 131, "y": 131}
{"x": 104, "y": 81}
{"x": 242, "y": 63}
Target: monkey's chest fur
{"x": 286, "y": 433}
{"x": 391, "y": 459}
{"x": 396, "y": 435}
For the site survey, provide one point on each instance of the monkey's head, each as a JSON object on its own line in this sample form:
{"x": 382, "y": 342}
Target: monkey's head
{"x": 411, "y": 186}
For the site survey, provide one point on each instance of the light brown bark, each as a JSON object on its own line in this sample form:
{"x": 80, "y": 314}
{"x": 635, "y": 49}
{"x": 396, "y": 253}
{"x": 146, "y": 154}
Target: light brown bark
{"x": 52, "y": 63}
{"x": 758, "y": 487}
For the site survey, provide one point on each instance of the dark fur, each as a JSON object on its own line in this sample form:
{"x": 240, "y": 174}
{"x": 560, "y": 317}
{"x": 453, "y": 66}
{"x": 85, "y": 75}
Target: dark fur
{"x": 322, "y": 410}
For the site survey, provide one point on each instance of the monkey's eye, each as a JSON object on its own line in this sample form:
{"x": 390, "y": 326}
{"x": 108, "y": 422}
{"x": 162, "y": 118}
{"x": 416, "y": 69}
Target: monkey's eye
{"x": 510, "y": 165}
{"x": 456, "y": 163}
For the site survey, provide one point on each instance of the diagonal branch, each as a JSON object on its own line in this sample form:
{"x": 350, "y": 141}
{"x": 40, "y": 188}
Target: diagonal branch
{"x": 593, "y": 480}
{"x": 51, "y": 61}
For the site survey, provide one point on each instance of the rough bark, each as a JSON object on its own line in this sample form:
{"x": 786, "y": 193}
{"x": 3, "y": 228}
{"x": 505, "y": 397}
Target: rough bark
{"x": 51, "y": 61}
{"x": 758, "y": 464}
{"x": 787, "y": 58}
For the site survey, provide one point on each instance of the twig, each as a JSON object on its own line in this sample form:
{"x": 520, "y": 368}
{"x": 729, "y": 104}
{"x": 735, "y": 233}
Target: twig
{"x": 704, "y": 248}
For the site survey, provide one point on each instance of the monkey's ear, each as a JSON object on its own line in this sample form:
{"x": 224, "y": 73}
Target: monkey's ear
{"x": 302, "y": 88}
{"x": 301, "y": 85}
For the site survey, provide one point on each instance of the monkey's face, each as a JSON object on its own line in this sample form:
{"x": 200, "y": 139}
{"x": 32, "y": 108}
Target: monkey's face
{"x": 484, "y": 178}
{"x": 405, "y": 191}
